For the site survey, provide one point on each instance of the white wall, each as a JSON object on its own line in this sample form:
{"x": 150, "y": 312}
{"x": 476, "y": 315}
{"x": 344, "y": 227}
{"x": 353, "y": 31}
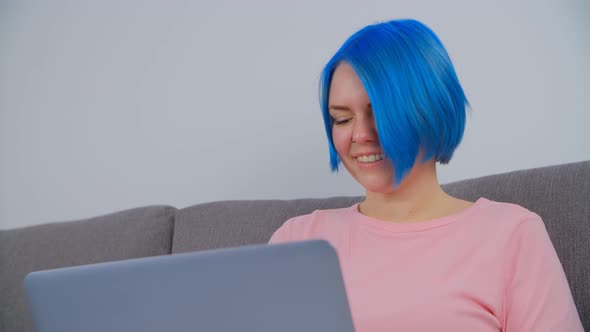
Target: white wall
{"x": 107, "y": 105}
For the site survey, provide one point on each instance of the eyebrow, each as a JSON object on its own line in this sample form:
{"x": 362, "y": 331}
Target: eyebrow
{"x": 344, "y": 108}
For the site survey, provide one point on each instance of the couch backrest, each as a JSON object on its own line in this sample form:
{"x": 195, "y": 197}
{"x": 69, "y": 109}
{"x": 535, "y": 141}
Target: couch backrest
{"x": 559, "y": 194}
{"x": 127, "y": 234}
{"x": 234, "y": 223}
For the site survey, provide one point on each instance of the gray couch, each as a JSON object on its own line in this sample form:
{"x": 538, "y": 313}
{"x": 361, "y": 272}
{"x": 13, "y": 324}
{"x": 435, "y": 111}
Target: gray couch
{"x": 559, "y": 194}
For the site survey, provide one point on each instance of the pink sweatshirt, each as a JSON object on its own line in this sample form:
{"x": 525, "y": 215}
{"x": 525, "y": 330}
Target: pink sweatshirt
{"x": 491, "y": 267}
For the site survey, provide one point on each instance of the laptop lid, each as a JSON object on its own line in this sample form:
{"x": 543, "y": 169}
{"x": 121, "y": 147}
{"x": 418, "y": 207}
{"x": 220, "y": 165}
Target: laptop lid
{"x": 294, "y": 286}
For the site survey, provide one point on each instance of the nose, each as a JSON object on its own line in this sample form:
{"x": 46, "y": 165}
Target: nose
{"x": 364, "y": 130}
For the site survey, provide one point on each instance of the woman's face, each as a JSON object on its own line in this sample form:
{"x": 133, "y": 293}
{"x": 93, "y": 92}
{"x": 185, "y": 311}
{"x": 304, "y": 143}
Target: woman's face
{"x": 354, "y": 132}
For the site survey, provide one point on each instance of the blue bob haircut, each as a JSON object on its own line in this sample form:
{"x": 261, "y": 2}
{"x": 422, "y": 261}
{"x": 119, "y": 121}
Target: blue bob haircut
{"x": 415, "y": 94}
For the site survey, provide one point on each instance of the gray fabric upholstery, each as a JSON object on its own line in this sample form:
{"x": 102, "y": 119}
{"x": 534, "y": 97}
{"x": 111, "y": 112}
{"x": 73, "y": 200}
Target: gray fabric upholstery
{"x": 235, "y": 223}
{"x": 127, "y": 234}
{"x": 559, "y": 194}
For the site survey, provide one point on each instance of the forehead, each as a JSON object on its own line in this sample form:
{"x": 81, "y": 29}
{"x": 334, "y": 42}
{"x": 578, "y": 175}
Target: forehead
{"x": 346, "y": 87}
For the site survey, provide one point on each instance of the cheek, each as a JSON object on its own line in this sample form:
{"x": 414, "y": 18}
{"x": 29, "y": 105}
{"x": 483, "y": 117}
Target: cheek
{"x": 341, "y": 141}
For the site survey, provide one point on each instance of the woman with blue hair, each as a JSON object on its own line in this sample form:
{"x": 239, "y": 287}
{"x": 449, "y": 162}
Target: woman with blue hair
{"x": 413, "y": 257}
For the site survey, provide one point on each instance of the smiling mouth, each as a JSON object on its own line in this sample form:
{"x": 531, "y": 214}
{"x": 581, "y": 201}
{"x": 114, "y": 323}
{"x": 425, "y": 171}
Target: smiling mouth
{"x": 369, "y": 159}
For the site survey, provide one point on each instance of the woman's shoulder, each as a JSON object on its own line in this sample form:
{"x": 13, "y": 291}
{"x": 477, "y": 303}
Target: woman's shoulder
{"x": 505, "y": 210}
{"x": 498, "y": 216}
{"x": 314, "y": 224}
{"x": 322, "y": 218}
{"x": 323, "y": 214}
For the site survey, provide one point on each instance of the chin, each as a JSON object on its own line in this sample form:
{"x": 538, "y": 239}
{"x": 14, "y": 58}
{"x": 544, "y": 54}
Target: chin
{"x": 377, "y": 185}
{"x": 380, "y": 189}
{"x": 381, "y": 182}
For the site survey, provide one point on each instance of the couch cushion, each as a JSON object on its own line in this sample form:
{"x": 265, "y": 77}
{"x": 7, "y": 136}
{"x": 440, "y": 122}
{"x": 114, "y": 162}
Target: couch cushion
{"x": 235, "y": 223}
{"x": 127, "y": 234}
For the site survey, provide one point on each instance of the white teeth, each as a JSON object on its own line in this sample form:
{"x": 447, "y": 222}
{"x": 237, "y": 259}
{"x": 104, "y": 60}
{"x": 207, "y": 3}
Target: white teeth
{"x": 370, "y": 158}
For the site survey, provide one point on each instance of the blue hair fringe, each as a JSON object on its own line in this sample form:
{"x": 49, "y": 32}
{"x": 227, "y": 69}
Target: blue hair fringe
{"x": 416, "y": 97}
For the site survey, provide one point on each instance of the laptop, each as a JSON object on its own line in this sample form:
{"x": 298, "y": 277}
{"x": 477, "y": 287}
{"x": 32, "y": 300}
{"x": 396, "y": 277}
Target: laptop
{"x": 294, "y": 286}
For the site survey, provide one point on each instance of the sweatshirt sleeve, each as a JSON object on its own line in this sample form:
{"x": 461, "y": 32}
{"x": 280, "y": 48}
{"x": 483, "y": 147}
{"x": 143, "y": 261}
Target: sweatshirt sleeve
{"x": 537, "y": 296}
{"x": 283, "y": 234}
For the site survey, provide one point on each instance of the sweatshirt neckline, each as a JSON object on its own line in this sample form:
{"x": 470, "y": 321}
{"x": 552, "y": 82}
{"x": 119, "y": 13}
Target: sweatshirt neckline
{"x": 418, "y": 226}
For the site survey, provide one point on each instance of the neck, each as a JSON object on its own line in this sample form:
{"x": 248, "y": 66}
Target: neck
{"x": 419, "y": 197}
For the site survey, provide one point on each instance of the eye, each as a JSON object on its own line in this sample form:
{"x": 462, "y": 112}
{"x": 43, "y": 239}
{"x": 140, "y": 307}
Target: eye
{"x": 340, "y": 122}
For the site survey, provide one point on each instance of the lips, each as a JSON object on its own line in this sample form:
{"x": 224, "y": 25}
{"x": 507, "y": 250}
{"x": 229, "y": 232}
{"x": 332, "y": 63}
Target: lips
{"x": 361, "y": 154}
{"x": 372, "y": 164}
{"x": 369, "y": 158}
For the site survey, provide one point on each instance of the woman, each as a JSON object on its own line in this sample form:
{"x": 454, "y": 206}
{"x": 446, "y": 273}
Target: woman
{"x": 413, "y": 257}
